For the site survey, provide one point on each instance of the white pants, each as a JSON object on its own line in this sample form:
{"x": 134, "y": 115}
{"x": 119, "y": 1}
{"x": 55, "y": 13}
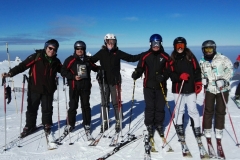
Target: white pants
{"x": 190, "y": 100}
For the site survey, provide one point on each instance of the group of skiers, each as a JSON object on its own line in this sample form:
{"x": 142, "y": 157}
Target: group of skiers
{"x": 213, "y": 71}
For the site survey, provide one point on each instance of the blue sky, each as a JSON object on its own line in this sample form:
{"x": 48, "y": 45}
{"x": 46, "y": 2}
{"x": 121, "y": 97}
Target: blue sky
{"x": 28, "y": 24}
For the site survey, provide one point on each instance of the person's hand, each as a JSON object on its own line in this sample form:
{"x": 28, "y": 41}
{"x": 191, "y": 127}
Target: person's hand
{"x": 159, "y": 78}
{"x": 198, "y": 87}
{"x": 184, "y": 76}
{"x": 220, "y": 83}
{"x": 135, "y": 75}
{"x": 236, "y": 65}
{"x": 77, "y": 78}
{"x": 6, "y": 74}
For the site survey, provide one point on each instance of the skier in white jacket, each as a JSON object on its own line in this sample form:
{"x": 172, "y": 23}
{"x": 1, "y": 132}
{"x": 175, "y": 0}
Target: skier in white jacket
{"x": 217, "y": 70}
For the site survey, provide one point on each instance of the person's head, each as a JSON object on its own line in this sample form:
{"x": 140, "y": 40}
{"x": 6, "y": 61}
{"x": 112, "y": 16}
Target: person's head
{"x": 80, "y": 48}
{"x": 179, "y": 44}
{"x": 110, "y": 40}
{"x": 155, "y": 42}
{"x": 209, "y": 49}
{"x": 51, "y": 47}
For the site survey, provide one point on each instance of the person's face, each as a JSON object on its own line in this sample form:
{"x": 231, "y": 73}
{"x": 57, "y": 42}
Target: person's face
{"x": 51, "y": 50}
{"x": 155, "y": 45}
{"x": 110, "y": 43}
{"x": 79, "y": 51}
{"x": 208, "y": 50}
{"x": 155, "y": 48}
{"x": 180, "y": 47}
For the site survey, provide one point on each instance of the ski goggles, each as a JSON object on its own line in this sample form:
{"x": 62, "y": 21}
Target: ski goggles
{"x": 111, "y": 41}
{"x": 79, "y": 48}
{"x": 155, "y": 44}
{"x": 180, "y": 45}
{"x": 208, "y": 50}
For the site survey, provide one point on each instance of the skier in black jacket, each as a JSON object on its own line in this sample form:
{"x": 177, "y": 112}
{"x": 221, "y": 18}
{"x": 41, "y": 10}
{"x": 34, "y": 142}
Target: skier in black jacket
{"x": 77, "y": 71}
{"x": 43, "y": 67}
{"x": 184, "y": 66}
{"x": 110, "y": 60}
{"x": 153, "y": 64}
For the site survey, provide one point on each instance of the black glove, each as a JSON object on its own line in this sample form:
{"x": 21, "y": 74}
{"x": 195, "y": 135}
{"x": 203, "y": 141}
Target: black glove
{"x": 235, "y": 65}
{"x": 135, "y": 75}
{"x": 87, "y": 58}
{"x": 8, "y": 94}
{"x": 159, "y": 78}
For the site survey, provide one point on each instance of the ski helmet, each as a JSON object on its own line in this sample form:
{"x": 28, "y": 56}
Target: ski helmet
{"x": 209, "y": 43}
{"x": 52, "y": 42}
{"x": 182, "y": 43}
{"x": 108, "y": 37}
{"x": 80, "y": 44}
{"x": 155, "y": 40}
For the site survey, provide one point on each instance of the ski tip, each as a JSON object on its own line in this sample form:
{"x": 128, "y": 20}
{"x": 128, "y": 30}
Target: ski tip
{"x": 70, "y": 143}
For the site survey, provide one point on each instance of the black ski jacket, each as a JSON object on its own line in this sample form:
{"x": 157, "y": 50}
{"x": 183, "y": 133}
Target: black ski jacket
{"x": 183, "y": 65}
{"x": 110, "y": 62}
{"x": 69, "y": 70}
{"x": 42, "y": 72}
{"x": 153, "y": 63}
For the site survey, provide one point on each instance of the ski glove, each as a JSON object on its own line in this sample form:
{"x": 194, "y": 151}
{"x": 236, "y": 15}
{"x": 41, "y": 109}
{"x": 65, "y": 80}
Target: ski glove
{"x": 159, "y": 78}
{"x": 221, "y": 83}
{"x": 198, "y": 87}
{"x": 135, "y": 75}
{"x": 236, "y": 64}
{"x": 184, "y": 76}
{"x": 8, "y": 94}
{"x": 6, "y": 75}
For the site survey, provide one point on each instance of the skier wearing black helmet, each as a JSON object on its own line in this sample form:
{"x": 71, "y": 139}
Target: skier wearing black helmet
{"x": 217, "y": 70}
{"x": 77, "y": 71}
{"x": 185, "y": 74}
{"x": 153, "y": 64}
{"x": 43, "y": 67}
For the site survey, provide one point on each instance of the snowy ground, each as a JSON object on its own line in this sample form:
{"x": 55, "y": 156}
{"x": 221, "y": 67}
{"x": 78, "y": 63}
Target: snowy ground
{"x": 34, "y": 146}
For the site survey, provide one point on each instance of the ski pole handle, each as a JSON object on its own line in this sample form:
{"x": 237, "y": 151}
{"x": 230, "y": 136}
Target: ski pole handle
{"x": 24, "y": 78}
{"x": 64, "y": 81}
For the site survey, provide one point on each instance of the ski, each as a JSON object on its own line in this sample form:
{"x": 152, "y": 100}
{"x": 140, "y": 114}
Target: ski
{"x": 147, "y": 147}
{"x": 59, "y": 139}
{"x": 50, "y": 141}
{"x": 88, "y": 135}
{"x": 236, "y": 102}
{"x": 220, "y": 151}
{"x": 119, "y": 146}
{"x": 202, "y": 150}
{"x": 114, "y": 140}
{"x": 211, "y": 152}
{"x": 96, "y": 140}
{"x": 164, "y": 141}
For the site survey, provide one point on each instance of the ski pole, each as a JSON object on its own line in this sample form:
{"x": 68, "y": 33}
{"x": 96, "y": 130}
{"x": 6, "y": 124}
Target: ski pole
{"x": 203, "y": 110}
{"x": 9, "y": 64}
{"x": 23, "y": 88}
{"x": 64, "y": 89}
{"x": 57, "y": 83}
{"x": 130, "y": 120}
{"x": 5, "y": 119}
{"x": 119, "y": 105}
{"x": 229, "y": 117}
{"x": 171, "y": 120}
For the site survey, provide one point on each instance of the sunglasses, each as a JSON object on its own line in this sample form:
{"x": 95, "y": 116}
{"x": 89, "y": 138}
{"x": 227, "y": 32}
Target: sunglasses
{"x": 180, "y": 45}
{"x": 80, "y": 49}
{"x": 50, "y": 48}
{"x": 208, "y": 50}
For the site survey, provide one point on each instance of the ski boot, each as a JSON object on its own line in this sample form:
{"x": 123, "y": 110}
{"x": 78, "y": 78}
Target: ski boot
{"x": 104, "y": 126}
{"x": 26, "y": 131}
{"x": 160, "y": 130}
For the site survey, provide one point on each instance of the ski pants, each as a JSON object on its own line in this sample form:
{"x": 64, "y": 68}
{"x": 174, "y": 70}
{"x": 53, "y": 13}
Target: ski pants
{"x": 73, "y": 106}
{"x": 154, "y": 110}
{"x": 107, "y": 90}
{"x": 34, "y": 100}
{"x": 237, "y": 92}
{"x": 220, "y": 110}
{"x": 190, "y": 100}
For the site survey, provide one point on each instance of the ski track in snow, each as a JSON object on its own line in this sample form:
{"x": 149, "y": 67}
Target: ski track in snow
{"x": 34, "y": 146}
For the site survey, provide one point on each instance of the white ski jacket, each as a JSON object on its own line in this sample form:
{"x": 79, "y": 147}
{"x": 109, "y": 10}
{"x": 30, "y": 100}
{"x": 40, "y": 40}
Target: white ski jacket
{"x": 219, "y": 68}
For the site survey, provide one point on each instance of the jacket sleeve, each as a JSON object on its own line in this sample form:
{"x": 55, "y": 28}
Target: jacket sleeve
{"x": 24, "y": 65}
{"x": 66, "y": 70}
{"x": 96, "y": 57}
{"x": 197, "y": 70}
{"x": 174, "y": 76}
{"x": 128, "y": 57}
{"x": 228, "y": 69}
